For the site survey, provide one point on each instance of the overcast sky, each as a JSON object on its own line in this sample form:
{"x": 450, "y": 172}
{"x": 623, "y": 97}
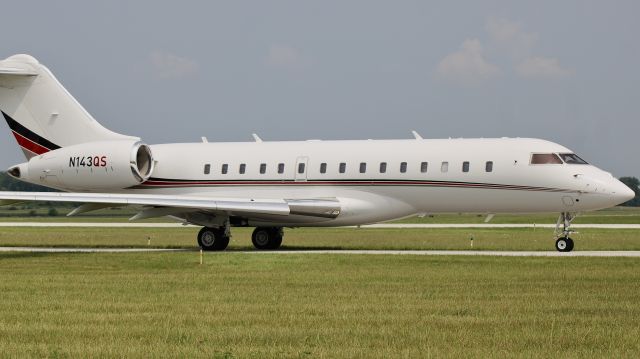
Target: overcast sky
{"x": 566, "y": 71}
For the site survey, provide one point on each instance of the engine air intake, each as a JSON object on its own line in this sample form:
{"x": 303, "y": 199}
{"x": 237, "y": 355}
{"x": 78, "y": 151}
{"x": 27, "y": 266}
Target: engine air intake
{"x": 141, "y": 161}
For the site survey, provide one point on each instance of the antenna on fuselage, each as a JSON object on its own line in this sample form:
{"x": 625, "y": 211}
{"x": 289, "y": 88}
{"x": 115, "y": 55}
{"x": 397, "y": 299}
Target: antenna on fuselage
{"x": 256, "y": 137}
{"x": 416, "y": 135}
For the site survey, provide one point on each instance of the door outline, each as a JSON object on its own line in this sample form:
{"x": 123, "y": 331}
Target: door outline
{"x": 301, "y": 177}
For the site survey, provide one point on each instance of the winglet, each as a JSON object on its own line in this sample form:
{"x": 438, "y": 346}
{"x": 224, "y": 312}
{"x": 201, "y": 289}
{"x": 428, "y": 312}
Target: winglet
{"x": 416, "y": 135}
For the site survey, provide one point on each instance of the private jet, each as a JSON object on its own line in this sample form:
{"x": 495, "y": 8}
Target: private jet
{"x": 271, "y": 185}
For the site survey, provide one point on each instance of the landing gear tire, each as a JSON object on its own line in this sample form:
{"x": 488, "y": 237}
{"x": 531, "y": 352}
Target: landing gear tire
{"x": 213, "y": 239}
{"x": 564, "y": 244}
{"x": 267, "y": 237}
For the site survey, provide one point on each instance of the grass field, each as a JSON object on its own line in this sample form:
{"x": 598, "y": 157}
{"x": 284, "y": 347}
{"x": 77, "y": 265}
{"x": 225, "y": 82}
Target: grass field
{"x": 327, "y": 238}
{"x": 239, "y": 305}
{"x": 629, "y": 215}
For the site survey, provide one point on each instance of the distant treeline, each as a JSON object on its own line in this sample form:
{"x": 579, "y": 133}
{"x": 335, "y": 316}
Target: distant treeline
{"x": 7, "y": 183}
{"x": 634, "y": 184}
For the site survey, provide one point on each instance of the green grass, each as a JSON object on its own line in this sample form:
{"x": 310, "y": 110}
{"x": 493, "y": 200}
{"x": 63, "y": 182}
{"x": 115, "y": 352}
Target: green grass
{"x": 321, "y": 306}
{"x": 617, "y": 215}
{"x": 40, "y": 214}
{"x": 327, "y": 238}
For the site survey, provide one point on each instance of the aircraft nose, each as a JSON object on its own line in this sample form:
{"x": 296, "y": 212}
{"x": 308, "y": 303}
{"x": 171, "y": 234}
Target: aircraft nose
{"x": 621, "y": 193}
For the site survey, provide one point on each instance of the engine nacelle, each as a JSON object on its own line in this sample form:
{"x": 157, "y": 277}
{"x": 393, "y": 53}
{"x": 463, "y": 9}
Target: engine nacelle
{"x": 90, "y": 166}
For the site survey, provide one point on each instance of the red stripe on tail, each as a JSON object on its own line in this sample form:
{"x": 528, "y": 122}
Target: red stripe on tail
{"x": 30, "y": 145}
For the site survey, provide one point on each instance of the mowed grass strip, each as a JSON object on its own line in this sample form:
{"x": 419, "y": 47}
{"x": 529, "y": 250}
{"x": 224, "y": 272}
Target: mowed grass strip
{"x": 327, "y": 238}
{"x": 616, "y": 215}
{"x": 246, "y": 305}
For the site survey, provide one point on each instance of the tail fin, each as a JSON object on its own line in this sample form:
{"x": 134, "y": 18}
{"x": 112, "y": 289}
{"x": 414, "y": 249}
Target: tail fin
{"x": 42, "y": 115}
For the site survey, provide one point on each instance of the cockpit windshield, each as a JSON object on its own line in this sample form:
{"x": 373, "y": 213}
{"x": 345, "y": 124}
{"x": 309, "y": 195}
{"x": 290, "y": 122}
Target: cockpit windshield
{"x": 556, "y": 159}
{"x": 545, "y": 159}
{"x": 572, "y": 159}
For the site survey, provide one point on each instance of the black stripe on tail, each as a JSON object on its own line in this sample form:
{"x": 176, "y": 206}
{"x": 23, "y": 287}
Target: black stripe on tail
{"x": 26, "y": 133}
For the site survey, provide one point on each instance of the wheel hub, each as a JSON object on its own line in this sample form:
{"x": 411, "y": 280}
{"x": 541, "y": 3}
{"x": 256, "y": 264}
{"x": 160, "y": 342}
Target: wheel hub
{"x": 208, "y": 239}
{"x": 262, "y": 238}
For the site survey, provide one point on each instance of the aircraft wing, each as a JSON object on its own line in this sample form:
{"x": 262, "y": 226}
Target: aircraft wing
{"x": 323, "y": 207}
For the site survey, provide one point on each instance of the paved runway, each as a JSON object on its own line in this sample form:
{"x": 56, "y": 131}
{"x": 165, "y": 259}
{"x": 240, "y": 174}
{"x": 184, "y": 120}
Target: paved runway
{"x": 340, "y": 252}
{"x": 381, "y": 225}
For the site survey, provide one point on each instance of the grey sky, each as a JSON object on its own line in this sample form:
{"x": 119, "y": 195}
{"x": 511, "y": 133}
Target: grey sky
{"x": 566, "y": 71}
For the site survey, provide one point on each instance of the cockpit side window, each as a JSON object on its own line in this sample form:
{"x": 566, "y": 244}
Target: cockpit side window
{"x": 572, "y": 159}
{"x": 545, "y": 159}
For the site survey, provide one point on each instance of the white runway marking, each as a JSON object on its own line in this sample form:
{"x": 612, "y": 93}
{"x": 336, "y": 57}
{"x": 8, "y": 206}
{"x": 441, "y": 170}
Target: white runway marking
{"x": 340, "y": 252}
{"x": 381, "y": 225}
{"x": 87, "y": 250}
{"x": 92, "y": 224}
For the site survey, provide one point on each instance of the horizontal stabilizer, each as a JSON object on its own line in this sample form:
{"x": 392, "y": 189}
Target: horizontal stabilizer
{"x": 16, "y": 71}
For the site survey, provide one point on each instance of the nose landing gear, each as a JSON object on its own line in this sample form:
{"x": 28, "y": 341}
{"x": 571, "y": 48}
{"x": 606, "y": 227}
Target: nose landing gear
{"x": 564, "y": 243}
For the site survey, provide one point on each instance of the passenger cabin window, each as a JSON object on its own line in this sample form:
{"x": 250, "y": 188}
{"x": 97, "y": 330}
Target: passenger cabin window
{"x": 403, "y": 167}
{"x": 572, "y": 159}
{"x": 363, "y": 167}
{"x": 225, "y": 169}
{"x": 545, "y": 159}
{"x": 488, "y": 166}
{"x": 383, "y": 167}
{"x": 444, "y": 167}
{"x": 263, "y": 168}
{"x": 323, "y": 168}
{"x": 207, "y": 169}
{"x": 465, "y": 166}
{"x": 300, "y": 167}
{"x": 424, "y": 166}
{"x": 243, "y": 168}
{"x": 342, "y": 168}
{"x": 280, "y": 168}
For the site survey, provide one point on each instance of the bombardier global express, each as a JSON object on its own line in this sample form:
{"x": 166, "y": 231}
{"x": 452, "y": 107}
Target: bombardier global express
{"x": 272, "y": 184}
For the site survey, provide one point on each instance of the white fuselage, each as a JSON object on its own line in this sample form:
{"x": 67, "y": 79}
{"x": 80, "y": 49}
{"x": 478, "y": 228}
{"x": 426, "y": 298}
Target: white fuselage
{"x": 367, "y": 194}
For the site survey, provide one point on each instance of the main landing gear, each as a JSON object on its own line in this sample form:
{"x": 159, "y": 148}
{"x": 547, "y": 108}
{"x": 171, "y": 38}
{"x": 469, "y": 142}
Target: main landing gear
{"x": 217, "y": 239}
{"x": 267, "y": 237}
{"x": 214, "y": 239}
{"x": 564, "y": 243}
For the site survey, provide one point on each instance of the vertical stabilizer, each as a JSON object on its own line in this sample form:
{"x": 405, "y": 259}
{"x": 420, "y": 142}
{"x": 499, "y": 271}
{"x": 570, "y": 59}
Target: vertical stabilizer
{"x": 42, "y": 115}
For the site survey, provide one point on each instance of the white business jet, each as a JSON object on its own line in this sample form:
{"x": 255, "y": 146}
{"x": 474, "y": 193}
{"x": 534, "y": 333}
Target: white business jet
{"x": 274, "y": 184}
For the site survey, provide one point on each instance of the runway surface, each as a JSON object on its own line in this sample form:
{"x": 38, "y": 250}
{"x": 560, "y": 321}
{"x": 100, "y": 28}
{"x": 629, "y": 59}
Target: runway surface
{"x": 382, "y": 225}
{"x": 339, "y": 252}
